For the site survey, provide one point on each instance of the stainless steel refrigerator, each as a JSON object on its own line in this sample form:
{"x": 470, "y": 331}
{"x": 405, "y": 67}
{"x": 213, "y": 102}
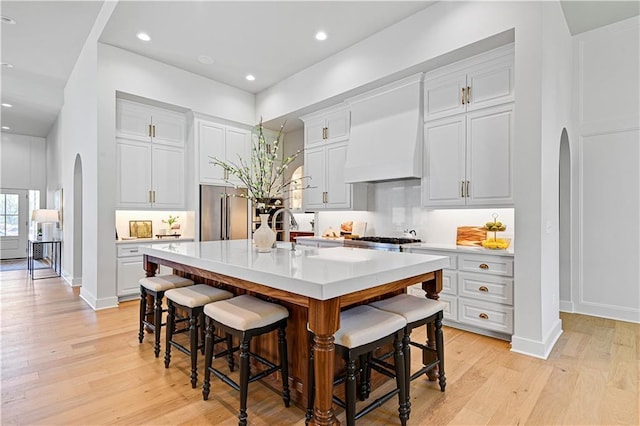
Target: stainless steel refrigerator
{"x": 222, "y": 216}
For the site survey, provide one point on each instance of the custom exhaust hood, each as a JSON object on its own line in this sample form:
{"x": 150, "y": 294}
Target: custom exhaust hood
{"x": 386, "y": 133}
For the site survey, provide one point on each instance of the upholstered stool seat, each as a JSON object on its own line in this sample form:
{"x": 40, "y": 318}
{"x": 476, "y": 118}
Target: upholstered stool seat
{"x": 418, "y": 311}
{"x": 362, "y": 330}
{"x": 156, "y": 287}
{"x": 190, "y": 300}
{"x": 245, "y": 317}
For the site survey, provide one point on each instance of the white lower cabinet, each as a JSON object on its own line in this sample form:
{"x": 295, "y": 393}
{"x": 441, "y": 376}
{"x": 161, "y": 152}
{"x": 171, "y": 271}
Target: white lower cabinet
{"x": 130, "y": 269}
{"x": 478, "y": 292}
{"x": 319, "y": 242}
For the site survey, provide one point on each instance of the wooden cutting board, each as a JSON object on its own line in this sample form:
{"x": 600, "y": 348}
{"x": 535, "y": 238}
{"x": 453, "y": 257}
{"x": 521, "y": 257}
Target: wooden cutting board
{"x": 471, "y": 235}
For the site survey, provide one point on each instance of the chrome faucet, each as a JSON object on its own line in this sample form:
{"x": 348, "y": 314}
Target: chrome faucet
{"x": 293, "y": 223}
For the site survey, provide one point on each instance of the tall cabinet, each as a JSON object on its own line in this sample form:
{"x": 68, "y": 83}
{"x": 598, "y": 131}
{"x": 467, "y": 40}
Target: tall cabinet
{"x": 469, "y": 132}
{"x": 150, "y": 157}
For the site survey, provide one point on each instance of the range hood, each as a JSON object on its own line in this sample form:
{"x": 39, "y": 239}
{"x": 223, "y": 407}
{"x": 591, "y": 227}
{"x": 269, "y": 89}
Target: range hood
{"x": 386, "y": 133}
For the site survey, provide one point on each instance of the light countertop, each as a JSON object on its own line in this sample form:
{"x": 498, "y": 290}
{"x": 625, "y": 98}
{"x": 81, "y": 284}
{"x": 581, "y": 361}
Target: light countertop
{"x": 320, "y": 273}
{"x": 153, "y": 240}
{"x": 459, "y": 249}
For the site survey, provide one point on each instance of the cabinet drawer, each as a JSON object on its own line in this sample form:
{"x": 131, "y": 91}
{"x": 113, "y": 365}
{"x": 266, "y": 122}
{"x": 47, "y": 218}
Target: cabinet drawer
{"x": 487, "y": 315}
{"x": 486, "y": 287}
{"x": 450, "y": 312}
{"x": 453, "y": 259}
{"x": 449, "y": 282}
{"x": 487, "y": 265}
{"x": 130, "y": 250}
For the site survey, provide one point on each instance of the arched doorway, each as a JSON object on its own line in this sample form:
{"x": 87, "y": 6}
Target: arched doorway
{"x": 77, "y": 221}
{"x": 564, "y": 220}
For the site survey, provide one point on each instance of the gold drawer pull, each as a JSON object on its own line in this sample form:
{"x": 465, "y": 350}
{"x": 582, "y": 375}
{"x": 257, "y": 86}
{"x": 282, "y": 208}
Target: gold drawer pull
{"x": 483, "y": 288}
{"x": 484, "y": 266}
{"x": 484, "y": 316}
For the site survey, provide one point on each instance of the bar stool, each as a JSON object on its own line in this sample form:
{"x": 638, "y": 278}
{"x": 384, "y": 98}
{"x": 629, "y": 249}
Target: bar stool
{"x": 246, "y": 317}
{"x": 191, "y": 300}
{"x": 155, "y": 287}
{"x": 418, "y": 311}
{"x": 362, "y": 330}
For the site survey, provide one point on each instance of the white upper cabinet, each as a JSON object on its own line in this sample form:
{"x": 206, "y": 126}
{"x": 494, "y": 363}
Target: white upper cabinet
{"x": 482, "y": 81}
{"x": 327, "y": 126}
{"x": 325, "y": 154}
{"x": 150, "y": 157}
{"x": 225, "y": 143}
{"x": 151, "y": 124}
{"x": 468, "y": 159}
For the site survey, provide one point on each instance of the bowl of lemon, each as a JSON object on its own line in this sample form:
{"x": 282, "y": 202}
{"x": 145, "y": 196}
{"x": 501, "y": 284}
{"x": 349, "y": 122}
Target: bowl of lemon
{"x": 496, "y": 243}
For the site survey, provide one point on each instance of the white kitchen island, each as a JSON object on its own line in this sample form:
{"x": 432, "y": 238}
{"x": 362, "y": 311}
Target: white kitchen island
{"x": 314, "y": 284}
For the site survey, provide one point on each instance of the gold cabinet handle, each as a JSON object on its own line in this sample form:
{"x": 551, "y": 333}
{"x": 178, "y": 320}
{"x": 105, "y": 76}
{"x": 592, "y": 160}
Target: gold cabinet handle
{"x": 467, "y": 190}
{"x": 483, "y": 316}
{"x": 483, "y": 288}
{"x": 468, "y": 95}
{"x": 483, "y": 266}
{"x": 149, "y": 196}
{"x": 149, "y": 130}
{"x": 462, "y": 188}
{"x": 153, "y": 196}
{"x": 154, "y": 130}
{"x": 462, "y": 97}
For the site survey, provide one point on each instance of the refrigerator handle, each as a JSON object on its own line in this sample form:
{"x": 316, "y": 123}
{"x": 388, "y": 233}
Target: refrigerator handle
{"x": 228, "y": 216}
{"x": 223, "y": 224}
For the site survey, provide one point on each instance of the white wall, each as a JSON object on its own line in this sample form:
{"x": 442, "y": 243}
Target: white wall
{"x": 607, "y": 110}
{"x": 438, "y": 30}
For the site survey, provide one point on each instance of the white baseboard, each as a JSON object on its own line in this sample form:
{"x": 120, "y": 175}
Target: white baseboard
{"x": 537, "y": 349}
{"x": 608, "y": 311}
{"x": 73, "y": 282}
{"x": 566, "y": 306}
{"x": 98, "y": 304}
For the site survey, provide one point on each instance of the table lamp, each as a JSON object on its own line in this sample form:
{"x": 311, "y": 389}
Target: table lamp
{"x": 46, "y": 217}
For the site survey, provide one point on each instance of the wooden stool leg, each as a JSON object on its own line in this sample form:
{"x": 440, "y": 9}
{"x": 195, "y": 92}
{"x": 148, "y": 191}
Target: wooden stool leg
{"x": 193, "y": 338}
{"x": 157, "y": 322}
{"x": 350, "y": 392}
{"x": 143, "y": 312}
{"x": 230, "y": 360}
{"x": 208, "y": 357}
{"x": 364, "y": 371}
{"x": 406, "y": 349}
{"x": 171, "y": 316}
{"x": 440, "y": 351}
{"x": 202, "y": 330}
{"x": 310, "y": 385}
{"x": 284, "y": 364}
{"x": 398, "y": 358}
{"x": 244, "y": 381}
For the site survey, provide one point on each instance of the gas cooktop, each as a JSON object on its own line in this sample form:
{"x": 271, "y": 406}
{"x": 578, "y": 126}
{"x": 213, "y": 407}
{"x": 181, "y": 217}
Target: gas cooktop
{"x": 388, "y": 240}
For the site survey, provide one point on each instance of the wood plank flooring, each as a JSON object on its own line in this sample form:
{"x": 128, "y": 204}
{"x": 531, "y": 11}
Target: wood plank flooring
{"x": 64, "y": 364}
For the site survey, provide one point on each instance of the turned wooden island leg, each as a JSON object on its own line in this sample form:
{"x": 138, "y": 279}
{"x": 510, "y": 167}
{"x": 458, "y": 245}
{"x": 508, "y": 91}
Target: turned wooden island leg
{"x": 432, "y": 289}
{"x": 324, "y": 321}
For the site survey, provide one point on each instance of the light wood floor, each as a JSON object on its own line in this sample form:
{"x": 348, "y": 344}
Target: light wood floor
{"x": 63, "y": 363}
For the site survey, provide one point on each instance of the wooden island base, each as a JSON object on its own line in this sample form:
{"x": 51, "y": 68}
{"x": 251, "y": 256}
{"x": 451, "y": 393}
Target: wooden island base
{"x": 322, "y": 317}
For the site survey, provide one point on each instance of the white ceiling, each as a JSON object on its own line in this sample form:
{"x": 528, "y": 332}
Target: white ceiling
{"x": 271, "y": 40}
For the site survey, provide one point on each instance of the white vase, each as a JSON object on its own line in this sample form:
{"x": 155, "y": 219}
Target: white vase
{"x": 264, "y": 237}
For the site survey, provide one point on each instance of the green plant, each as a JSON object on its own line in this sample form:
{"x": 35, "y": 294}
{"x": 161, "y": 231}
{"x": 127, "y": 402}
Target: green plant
{"x": 171, "y": 221}
{"x": 262, "y": 175}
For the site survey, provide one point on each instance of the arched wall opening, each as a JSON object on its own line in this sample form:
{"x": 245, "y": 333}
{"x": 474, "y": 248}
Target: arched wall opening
{"x": 564, "y": 221}
{"x": 77, "y": 221}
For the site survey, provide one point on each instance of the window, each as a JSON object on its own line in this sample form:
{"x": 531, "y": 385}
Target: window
{"x": 9, "y": 219}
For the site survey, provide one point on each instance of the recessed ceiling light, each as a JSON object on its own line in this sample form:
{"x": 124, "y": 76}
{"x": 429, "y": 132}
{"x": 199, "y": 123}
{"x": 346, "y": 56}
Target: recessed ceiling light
{"x": 204, "y": 59}
{"x": 143, "y": 36}
{"x": 7, "y": 65}
{"x": 250, "y": 77}
{"x": 6, "y": 128}
{"x": 7, "y": 20}
{"x": 6, "y": 105}
{"x": 321, "y": 35}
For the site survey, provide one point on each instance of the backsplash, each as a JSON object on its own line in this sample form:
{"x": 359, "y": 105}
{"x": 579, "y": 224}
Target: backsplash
{"x": 395, "y": 206}
{"x": 185, "y": 219}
